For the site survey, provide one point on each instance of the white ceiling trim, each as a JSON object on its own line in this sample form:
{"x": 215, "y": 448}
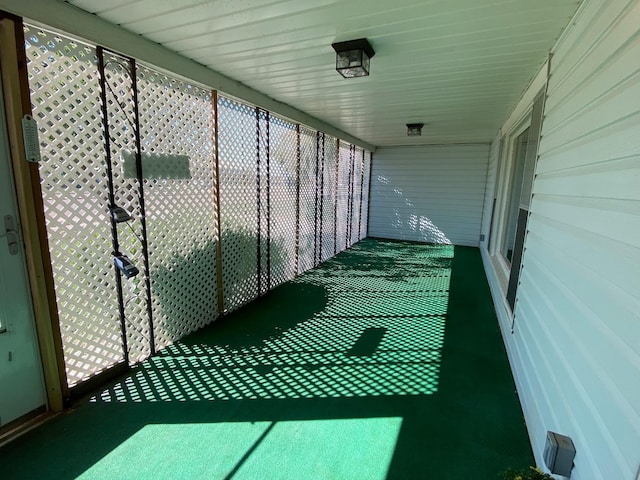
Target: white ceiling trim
{"x": 93, "y": 29}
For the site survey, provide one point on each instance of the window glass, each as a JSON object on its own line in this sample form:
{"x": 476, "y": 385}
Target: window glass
{"x": 513, "y": 198}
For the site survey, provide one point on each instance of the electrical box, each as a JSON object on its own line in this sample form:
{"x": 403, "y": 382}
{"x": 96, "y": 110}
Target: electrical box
{"x": 559, "y": 453}
{"x": 127, "y": 268}
{"x": 120, "y": 214}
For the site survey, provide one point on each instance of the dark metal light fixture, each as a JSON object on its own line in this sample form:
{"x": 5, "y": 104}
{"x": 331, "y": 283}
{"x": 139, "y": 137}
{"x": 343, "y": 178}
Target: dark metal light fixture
{"x": 414, "y": 129}
{"x": 353, "y": 57}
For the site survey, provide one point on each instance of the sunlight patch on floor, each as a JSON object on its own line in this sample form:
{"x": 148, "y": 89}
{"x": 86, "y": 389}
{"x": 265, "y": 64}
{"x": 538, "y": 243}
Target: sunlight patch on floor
{"x": 328, "y": 449}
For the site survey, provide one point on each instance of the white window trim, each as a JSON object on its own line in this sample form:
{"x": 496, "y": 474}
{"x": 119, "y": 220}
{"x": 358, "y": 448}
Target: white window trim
{"x": 500, "y": 264}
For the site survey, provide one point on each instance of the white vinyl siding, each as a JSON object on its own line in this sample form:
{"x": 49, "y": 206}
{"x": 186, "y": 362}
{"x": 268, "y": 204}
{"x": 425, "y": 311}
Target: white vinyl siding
{"x": 489, "y": 194}
{"x": 575, "y": 351}
{"x": 431, "y": 193}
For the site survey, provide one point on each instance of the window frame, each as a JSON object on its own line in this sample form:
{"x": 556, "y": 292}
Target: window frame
{"x": 506, "y": 165}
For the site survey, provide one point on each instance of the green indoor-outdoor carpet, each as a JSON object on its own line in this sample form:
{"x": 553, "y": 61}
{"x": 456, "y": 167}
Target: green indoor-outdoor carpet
{"x": 384, "y": 362}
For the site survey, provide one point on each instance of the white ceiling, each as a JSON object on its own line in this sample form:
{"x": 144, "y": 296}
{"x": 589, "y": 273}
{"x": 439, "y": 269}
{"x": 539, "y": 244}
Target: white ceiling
{"x": 459, "y": 66}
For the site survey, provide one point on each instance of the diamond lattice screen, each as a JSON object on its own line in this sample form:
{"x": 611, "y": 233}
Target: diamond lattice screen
{"x": 366, "y": 174}
{"x": 308, "y": 212}
{"x": 283, "y": 152}
{"x": 64, "y": 84}
{"x": 263, "y": 196}
{"x": 238, "y": 209}
{"x": 356, "y": 195}
{"x": 177, "y": 129}
{"x": 127, "y": 191}
{"x": 328, "y": 198}
{"x": 343, "y": 202}
{"x": 161, "y": 161}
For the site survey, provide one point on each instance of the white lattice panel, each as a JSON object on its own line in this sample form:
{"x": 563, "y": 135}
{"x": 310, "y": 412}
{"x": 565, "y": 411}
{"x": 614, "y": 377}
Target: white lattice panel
{"x": 64, "y": 85}
{"x": 328, "y": 198}
{"x": 177, "y": 127}
{"x": 364, "y": 222}
{"x": 342, "y": 217}
{"x": 264, "y": 174}
{"x": 356, "y": 180}
{"x": 283, "y": 145}
{"x": 237, "y": 157}
{"x": 307, "y": 198}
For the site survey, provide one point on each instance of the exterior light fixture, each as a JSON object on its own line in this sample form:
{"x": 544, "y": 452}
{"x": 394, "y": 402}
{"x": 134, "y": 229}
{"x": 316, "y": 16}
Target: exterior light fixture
{"x": 414, "y": 129}
{"x": 353, "y": 57}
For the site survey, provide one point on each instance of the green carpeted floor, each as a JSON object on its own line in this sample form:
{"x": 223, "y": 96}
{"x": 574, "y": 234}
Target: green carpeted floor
{"x": 385, "y": 362}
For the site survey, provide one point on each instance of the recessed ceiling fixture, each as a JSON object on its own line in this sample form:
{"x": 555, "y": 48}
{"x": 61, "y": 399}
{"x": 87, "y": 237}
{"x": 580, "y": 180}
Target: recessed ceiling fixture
{"x": 414, "y": 129}
{"x": 353, "y": 57}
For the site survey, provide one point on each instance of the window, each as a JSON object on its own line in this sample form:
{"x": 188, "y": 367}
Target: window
{"x": 513, "y": 198}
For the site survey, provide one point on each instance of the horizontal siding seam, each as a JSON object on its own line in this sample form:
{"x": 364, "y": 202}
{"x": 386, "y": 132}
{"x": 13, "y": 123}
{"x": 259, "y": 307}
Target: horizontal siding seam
{"x": 594, "y": 43}
{"x": 593, "y": 103}
{"x": 614, "y": 205}
{"x": 560, "y": 149}
{"x": 580, "y": 138}
{"x": 551, "y": 172}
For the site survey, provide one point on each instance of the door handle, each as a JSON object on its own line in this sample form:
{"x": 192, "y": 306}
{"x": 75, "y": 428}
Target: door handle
{"x": 12, "y": 235}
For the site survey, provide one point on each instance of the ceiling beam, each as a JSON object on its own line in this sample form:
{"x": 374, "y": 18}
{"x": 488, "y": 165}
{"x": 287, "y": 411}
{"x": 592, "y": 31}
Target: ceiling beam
{"x": 71, "y": 20}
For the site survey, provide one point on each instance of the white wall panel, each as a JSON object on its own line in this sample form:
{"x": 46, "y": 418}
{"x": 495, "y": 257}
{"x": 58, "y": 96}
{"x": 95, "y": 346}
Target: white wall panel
{"x": 431, "y": 193}
{"x": 575, "y": 351}
{"x": 490, "y": 188}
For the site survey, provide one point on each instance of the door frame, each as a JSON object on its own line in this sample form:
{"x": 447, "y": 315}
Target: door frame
{"x": 31, "y": 211}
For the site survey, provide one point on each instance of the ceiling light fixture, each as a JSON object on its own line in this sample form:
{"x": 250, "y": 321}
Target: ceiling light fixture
{"x": 414, "y": 129}
{"x": 353, "y": 57}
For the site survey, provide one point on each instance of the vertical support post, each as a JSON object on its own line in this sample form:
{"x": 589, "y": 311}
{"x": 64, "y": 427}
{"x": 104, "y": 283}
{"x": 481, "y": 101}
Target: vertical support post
{"x": 216, "y": 199}
{"x": 350, "y": 195}
{"x": 258, "y": 206}
{"x": 143, "y": 216}
{"x": 111, "y": 196}
{"x": 321, "y": 197}
{"x": 315, "y": 215}
{"x": 369, "y": 191}
{"x": 297, "y": 253}
{"x": 335, "y": 199}
{"x": 361, "y": 192}
{"x": 268, "y": 122}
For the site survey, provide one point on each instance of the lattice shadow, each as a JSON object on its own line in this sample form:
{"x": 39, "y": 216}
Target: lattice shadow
{"x": 336, "y": 331}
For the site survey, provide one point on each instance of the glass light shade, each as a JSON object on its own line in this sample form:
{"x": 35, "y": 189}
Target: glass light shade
{"x": 414, "y": 129}
{"x": 352, "y": 63}
{"x": 353, "y": 57}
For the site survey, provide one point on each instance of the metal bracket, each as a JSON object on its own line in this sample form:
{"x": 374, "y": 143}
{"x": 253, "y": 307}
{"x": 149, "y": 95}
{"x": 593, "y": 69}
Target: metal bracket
{"x": 12, "y": 235}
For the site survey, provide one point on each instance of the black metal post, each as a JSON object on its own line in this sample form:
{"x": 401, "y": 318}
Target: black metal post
{"x": 114, "y": 229}
{"x": 258, "y": 206}
{"x": 143, "y": 218}
{"x": 297, "y": 253}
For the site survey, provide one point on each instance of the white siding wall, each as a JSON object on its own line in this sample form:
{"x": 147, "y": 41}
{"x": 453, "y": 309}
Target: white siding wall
{"x": 431, "y": 193}
{"x": 575, "y": 351}
{"x": 489, "y": 193}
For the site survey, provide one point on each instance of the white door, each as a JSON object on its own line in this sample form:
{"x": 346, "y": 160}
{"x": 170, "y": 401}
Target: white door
{"x": 21, "y": 382}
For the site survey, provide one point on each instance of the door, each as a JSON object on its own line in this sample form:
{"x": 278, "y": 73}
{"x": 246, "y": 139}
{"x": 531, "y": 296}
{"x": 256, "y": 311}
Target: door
{"x": 21, "y": 382}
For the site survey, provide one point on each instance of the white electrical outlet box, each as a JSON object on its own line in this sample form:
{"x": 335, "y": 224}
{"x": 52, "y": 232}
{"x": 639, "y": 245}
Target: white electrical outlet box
{"x": 559, "y": 453}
